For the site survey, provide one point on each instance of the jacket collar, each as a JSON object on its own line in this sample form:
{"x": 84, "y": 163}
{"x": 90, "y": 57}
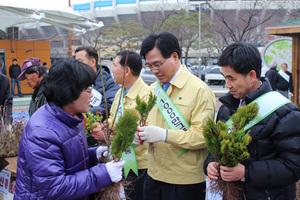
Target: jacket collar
{"x": 63, "y": 116}
{"x": 233, "y": 103}
{"x": 104, "y": 68}
{"x": 134, "y": 90}
{"x": 182, "y": 78}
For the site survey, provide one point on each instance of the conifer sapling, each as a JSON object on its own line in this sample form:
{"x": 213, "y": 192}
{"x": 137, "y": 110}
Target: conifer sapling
{"x": 229, "y": 147}
{"x": 125, "y": 129}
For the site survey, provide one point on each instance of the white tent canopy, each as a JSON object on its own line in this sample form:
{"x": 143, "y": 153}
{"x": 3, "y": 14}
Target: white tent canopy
{"x": 53, "y": 12}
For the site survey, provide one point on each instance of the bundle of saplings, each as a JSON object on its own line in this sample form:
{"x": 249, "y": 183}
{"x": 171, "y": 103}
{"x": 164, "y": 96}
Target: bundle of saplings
{"x": 229, "y": 147}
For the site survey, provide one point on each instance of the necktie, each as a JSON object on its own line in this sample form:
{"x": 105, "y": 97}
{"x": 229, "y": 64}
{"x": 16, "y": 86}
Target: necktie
{"x": 166, "y": 86}
{"x": 242, "y": 103}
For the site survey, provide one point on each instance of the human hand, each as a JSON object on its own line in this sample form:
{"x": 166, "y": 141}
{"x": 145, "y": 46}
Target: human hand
{"x": 212, "y": 171}
{"x": 137, "y": 139}
{"x": 232, "y": 173}
{"x": 98, "y": 133}
{"x": 108, "y": 155}
{"x": 100, "y": 151}
{"x": 152, "y": 134}
{"x": 114, "y": 170}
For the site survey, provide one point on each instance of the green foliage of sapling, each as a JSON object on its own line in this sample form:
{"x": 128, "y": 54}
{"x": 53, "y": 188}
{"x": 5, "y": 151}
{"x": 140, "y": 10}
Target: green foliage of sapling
{"x": 230, "y": 147}
{"x": 124, "y": 129}
{"x": 144, "y": 108}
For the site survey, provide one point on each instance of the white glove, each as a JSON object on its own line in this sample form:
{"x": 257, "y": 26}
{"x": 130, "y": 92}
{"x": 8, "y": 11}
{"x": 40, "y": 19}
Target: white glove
{"x": 114, "y": 170}
{"x": 100, "y": 150}
{"x": 152, "y": 134}
{"x": 108, "y": 155}
{"x": 137, "y": 139}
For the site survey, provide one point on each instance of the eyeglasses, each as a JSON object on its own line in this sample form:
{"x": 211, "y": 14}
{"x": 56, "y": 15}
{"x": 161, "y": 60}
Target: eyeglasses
{"x": 156, "y": 65}
{"x": 89, "y": 89}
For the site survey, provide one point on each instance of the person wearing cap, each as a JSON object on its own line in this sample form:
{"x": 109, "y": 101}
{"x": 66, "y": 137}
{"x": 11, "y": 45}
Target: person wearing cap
{"x": 5, "y": 96}
{"x": 33, "y": 72}
{"x": 14, "y": 72}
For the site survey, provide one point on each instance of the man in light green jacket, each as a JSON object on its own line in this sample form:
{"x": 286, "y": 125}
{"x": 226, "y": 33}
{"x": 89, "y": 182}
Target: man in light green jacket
{"x": 184, "y": 103}
{"x": 133, "y": 86}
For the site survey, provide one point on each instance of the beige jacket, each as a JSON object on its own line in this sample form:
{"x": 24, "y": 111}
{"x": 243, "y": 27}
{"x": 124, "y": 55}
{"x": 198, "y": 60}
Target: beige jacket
{"x": 196, "y": 102}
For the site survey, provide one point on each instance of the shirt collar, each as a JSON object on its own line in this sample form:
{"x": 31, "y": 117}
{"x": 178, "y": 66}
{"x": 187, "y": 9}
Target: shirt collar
{"x": 176, "y": 74}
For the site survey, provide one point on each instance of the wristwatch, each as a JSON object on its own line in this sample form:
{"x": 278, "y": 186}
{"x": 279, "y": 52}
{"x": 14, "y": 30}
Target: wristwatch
{"x": 243, "y": 179}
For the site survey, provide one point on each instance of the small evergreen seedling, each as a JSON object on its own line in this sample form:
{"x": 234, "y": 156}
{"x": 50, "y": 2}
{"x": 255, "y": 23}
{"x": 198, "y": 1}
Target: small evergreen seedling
{"x": 229, "y": 147}
{"x": 144, "y": 108}
{"x": 125, "y": 129}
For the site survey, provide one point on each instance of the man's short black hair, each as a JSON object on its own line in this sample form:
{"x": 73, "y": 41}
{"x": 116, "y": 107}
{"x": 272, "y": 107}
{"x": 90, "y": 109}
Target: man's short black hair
{"x": 242, "y": 58}
{"x": 134, "y": 61}
{"x": 91, "y": 52}
{"x": 14, "y": 59}
{"x": 66, "y": 79}
{"x": 166, "y": 42}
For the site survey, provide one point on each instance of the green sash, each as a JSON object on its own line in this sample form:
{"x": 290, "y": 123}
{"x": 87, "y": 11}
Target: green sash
{"x": 129, "y": 155}
{"x": 170, "y": 112}
{"x": 267, "y": 103}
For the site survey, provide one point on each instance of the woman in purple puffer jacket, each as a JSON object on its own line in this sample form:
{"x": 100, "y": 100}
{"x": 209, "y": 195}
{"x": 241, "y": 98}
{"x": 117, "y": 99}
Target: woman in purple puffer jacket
{"x": 54, "y": 161}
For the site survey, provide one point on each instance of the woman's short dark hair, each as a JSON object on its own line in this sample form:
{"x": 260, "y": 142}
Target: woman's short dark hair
{"x": 41, "y": 69}
{"x": 134, "y": 61}
{"x": 166, "y": 42}
{"x": 65, "y": 81}
{"x": 242, "y": 58}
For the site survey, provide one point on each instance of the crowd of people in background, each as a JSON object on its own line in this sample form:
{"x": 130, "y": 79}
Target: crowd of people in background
{"x": 57, "y": 161}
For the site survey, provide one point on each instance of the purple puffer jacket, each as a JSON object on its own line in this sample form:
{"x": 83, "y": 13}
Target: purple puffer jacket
{"x": 53, "y": 161}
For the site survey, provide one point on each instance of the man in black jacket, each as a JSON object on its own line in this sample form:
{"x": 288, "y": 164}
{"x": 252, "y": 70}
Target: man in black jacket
{"x": 273, "y": 168}
{"x": 271, "y": 73}
{"x": 14, "y": 72}
{"x": 283, "y": 81}
{"x": 6, "y": 100}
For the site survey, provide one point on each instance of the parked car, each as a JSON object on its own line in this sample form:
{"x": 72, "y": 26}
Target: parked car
{"x": 213, "y": 76}
{"x": 148, "y": 76}
{"x": 203, "y": 72}
{"x": 195, "y": 69}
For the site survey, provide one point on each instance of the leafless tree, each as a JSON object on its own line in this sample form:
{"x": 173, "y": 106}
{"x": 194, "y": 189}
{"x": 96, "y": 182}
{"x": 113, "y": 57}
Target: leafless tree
{"x": 292, "y": 9}
{"x": 246, "y": 23}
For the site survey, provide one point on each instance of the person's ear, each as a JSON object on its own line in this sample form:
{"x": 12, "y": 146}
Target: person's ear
{"x": 94, "y": 61}
{"x": 252, "y": 75}
{"x": 175, "y": 56}
{"x": 127, "y": 71}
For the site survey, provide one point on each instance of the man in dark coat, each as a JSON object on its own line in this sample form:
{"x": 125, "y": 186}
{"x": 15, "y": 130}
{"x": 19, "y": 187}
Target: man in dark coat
{"x": 6, "y": 100}
{"x": 283, "y": 81}
{"x": 14, "y": 72}
{"x": 270, "y": 74}
{"x": 89, "y": 56}
{"x": 273, "y": 168}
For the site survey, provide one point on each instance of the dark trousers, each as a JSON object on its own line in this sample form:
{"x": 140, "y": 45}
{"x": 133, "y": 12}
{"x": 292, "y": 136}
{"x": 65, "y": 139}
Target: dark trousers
{"x": 156, "y": 190}
{"x": 13, "y": 83}
{"x": 135, "y": 185}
